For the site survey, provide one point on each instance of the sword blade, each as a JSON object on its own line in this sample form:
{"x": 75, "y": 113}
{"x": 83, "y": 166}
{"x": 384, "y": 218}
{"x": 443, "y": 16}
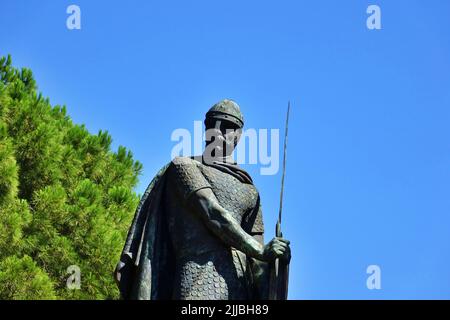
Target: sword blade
{"x": 279, "y": 274}
{"x": 284, "y": 169}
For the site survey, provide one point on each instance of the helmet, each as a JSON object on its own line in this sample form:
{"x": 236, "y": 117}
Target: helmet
{"x": 226, "y": 110}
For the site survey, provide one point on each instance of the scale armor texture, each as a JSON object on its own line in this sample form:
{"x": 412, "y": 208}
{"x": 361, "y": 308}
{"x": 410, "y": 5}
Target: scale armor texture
{"x": 219, "y": 273}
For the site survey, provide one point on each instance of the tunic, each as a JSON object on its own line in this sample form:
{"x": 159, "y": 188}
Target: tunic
{"x": 205, "y": 267}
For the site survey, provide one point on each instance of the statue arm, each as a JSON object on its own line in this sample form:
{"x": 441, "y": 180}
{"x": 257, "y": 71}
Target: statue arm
{"x": 204, "y": 203}
{"x": 195, "y": 191}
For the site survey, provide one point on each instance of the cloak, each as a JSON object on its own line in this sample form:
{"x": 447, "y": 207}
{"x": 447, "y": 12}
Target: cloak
{"x": 146, "y": 265}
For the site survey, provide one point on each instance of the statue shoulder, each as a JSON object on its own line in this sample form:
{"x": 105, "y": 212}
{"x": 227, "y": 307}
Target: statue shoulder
{"x": 184, "y": 161}
{"x": 187, "y": 175}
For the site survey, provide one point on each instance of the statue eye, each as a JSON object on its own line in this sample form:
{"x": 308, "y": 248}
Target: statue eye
{"x": 224, "y": 127}
{"x": 228, "y": 125}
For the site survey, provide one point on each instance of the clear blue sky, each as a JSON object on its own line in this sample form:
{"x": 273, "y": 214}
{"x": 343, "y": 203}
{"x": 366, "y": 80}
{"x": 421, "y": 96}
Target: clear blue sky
{"x": 368, "y": 178}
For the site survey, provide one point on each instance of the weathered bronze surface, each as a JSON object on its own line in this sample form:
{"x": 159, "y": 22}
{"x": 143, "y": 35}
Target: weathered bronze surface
{"x": 198, "y": 231}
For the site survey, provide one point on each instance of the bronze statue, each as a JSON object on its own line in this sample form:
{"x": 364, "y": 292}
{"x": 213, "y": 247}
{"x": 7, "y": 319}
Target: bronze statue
{"x": 198, "y": 231}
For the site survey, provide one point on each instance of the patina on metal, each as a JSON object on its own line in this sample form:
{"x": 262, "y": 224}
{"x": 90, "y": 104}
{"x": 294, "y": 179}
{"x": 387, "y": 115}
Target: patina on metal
{"x": 198, "y": 231}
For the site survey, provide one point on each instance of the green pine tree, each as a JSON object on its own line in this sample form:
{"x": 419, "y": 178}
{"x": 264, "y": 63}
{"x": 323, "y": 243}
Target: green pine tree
{"x": 65, "y": 198}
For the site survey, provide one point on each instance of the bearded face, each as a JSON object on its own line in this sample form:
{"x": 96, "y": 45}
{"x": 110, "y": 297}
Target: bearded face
{"x": 222, "y": 136}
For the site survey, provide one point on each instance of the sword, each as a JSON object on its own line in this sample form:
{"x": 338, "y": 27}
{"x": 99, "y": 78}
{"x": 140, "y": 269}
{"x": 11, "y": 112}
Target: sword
{"x": 279, "y": 275}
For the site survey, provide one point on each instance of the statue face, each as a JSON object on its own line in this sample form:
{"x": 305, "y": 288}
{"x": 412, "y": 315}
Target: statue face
{"x": 222, "y": 136}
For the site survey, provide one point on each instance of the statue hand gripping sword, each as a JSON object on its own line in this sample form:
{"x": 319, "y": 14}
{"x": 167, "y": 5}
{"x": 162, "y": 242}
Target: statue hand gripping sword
{"x": 279, "y": 275}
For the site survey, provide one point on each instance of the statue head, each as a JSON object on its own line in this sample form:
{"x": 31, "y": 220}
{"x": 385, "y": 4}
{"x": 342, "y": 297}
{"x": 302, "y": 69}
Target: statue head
{"x": 223, "y": 123}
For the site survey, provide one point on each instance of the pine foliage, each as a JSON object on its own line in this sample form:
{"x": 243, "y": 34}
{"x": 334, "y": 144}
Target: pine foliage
{"x": 65, "y": 197}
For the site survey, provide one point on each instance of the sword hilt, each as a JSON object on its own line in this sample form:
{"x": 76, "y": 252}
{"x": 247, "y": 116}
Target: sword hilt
{"x": 278, "y": 232}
